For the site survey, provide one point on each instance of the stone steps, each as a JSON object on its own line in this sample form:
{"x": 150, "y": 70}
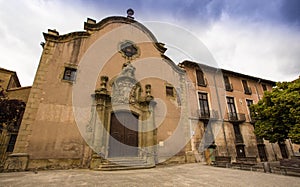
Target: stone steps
{"x": 125, "y": 164}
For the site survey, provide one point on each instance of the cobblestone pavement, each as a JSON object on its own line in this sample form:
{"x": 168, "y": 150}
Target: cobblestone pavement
{"x": 178, "y": 175}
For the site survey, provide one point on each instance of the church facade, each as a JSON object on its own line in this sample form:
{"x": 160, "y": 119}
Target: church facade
{"x": 110, "y": 95}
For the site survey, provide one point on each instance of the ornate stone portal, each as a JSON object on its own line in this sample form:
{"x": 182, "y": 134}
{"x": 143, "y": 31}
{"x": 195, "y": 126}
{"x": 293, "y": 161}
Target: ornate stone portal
{"x": 126, "y": 97}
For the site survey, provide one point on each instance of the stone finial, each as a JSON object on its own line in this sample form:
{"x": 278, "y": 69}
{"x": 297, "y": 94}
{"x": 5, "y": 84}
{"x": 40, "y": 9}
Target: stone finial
{"x": 148, "y": 89}
{"x": 130, "y": 13}
{"x": 102, "y": 89}
{"x": 103, "y": 83}
{"x": 149, "y": 97}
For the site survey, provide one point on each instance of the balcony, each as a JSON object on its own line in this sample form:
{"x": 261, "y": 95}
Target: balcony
{"x": 247, "y": 90}
{"x": 236, "y": 117}
{"x": 229, "y": 87}
{"x": 207, "y": 115}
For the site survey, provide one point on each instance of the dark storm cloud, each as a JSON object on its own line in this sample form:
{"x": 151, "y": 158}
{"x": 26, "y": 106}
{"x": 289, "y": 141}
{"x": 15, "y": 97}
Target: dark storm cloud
{"x": 291, "y": 12}
{"x": 285, "y": 12}
{"x": 263, "y": 33}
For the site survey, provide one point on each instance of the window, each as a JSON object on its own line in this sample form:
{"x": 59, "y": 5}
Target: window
{"x": 283, "y": 150}
{"x": 249, "y": 103}
{"x": 11, "y": 143}
{"x": 262, "y": 152}
{"x": 128, "y": 49}
{"x": 231, "y": 108}
{"x": 228, "y": 86}
{"x": 200, "y": 78}
{"x": 238, "y": 134}
{"x": 69, "y": 74}
{"x": 264, "y": 87}
{"x": 246, "y": 88}
{"x": 203, "y": 105}
{"x": 170, "y": 91}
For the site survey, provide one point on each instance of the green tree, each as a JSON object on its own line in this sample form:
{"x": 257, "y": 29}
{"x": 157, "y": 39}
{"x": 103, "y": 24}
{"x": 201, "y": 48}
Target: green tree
{"x": 277, "y": 114}
{"x": 11, "y": 111}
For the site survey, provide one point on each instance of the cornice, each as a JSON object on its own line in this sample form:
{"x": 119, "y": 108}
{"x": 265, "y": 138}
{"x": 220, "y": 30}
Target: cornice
{"x": 50, "y": 36}
{"x": 91, "y": 25}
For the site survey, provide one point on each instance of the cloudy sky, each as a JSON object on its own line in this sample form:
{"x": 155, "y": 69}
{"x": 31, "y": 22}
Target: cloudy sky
{"x": 258, "y": 37}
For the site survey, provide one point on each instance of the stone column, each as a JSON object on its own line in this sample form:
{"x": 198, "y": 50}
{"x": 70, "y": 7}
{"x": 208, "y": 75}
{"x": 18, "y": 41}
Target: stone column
{"x": 150, "y": 126}
{"x": 102, "y": 99}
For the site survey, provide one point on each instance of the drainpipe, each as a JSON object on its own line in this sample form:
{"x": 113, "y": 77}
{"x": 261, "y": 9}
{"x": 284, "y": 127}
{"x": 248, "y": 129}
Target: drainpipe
{"x": 220, "y": 109}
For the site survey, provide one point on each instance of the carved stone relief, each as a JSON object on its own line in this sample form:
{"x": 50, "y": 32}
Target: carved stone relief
{"x": 126, "y": 89}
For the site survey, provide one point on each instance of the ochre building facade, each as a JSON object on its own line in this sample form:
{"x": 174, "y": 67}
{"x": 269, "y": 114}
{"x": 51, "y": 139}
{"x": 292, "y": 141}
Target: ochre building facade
{"x": 110, "y": 95}
{"x": 222, "y": 124}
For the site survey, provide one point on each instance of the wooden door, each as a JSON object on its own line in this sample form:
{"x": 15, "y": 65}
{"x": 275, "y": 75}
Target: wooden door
{"x": 262, "y": 152}
{"x": 240, "y": 151}
{"x": 283, "y": 150}
{"x": 123, "y": 139}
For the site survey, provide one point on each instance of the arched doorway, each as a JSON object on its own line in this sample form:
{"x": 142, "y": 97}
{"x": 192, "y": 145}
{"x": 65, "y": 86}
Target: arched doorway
{"x": 123, "y": 140}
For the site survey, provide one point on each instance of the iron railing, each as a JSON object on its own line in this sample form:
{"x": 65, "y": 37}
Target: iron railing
{"x": 212, "y": 114}
{"x": 236, "y": 117}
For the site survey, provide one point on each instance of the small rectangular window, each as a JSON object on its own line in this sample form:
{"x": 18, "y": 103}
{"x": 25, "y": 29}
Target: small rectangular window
{"x": 228, "y": 85}
{"x": 200, "y": 78}
{"x": 249, "y": 102}
{"x": 264, "y": 87}
{"x": 170, "y": 91}
{"x": 247, "y": 89}
{"x": 70, "y": 74}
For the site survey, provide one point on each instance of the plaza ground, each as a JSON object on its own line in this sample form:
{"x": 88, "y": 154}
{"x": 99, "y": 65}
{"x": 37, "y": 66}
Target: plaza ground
{"x": 176, "y": 175}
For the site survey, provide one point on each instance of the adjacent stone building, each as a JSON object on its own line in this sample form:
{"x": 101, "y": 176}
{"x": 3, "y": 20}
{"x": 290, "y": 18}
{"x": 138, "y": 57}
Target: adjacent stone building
{"x": 110, "y": 95}
{"x": 14, "y": 96}
{"x": 222, "y": 124}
